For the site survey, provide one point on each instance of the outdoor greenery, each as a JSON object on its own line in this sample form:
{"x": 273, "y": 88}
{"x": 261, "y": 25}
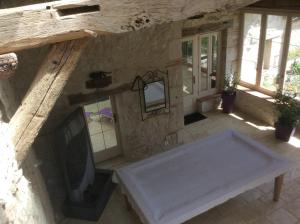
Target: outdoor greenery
{"x": 231, "y": 80}
{"x": 295, "y": 53}
{"x": 292, "y": 81}
{"x": 295, "y": 68}
{"x": 288, "y": 108}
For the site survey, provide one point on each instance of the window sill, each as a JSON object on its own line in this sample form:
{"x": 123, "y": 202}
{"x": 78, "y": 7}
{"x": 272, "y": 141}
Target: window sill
{"x": 256, "y": 93}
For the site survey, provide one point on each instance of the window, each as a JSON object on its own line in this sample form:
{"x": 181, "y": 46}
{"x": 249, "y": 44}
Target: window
{"x": 250, "y": 47}
{"x": 187, "y": 67}
{"x": 272, "y": 51}
{"x": 270, "y": 59}
{"x": 204, "y": 62}
{"x": 101, "y": 125}
{"x": 214, "y": 60}
{"x": 292, "y": 72}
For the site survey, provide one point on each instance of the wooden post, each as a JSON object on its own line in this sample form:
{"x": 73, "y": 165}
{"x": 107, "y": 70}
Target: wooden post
{"x": 43, "y": 93}
{"x": 127, "y": 203}
{"x": 277, "y": 187}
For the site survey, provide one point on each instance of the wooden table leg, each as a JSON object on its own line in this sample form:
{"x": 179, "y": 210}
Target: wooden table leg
{"x": 130, "y": 209}
{"x": 128, "y": 205}
{"x": 277, "y": 187}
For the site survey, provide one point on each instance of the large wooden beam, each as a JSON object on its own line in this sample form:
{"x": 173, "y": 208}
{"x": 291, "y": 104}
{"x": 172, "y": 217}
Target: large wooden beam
{"x": 39, "y": 24}
{"x": 93, "y": 97}
{"x": 43, "y": 93}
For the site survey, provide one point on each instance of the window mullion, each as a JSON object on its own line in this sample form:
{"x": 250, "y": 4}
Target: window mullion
{"x": 285, "y": 51}
{"x": 241, "y": 42}
{"x": 261, "y": 49}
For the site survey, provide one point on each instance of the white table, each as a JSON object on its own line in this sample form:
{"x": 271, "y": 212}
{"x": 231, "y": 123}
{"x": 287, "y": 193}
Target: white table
{"x": 177, "y": 185}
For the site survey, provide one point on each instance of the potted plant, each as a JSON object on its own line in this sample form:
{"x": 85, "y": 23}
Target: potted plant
{"x": 288, "y": 111}
{"x": 228, "y": 95}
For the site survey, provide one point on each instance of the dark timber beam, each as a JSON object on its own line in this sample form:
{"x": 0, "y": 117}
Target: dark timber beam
{"x": 42, "y": 94}
{"x": 92, "y": 97}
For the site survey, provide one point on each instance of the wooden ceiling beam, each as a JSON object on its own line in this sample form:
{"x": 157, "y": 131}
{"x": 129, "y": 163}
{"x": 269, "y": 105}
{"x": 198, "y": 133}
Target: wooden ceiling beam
{"x": 42, "y": 94}
{"x": 39, "y": 24}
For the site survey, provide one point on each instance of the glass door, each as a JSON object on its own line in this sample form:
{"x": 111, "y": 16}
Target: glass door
{"x": 189, "y": 74}
{"x": 208, "y": 64}
{"x": 200, "y": 55}
{"x": 103, "y": 129}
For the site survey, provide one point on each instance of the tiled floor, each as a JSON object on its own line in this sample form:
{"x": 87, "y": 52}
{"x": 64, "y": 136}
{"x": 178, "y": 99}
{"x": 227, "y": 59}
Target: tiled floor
{"x": 252, "y": 207}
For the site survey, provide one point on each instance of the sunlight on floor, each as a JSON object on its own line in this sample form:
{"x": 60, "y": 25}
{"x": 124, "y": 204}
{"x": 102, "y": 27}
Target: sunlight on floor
{"x": 294, "y": 141}
{"x": 236, "y": 116}
{"x": 260, "y": 127}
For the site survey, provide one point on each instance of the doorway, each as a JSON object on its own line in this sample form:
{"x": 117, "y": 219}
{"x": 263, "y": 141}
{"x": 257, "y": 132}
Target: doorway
{"x": 200, "y": 55}
{"x": 103, "y": 129}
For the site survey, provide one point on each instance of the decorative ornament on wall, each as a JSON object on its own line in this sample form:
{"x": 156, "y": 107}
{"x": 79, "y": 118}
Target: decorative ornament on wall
{"x": 99, "y": 79}
{"x": 8, "y": 65}
{"x": 153, "y": 88}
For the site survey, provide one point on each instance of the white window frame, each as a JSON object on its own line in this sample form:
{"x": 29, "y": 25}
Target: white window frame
{"x": 284, "y": 54}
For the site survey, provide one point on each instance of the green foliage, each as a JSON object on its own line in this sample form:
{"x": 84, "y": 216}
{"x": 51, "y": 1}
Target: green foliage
{"x": 292, "y": 78}
{"x": 295, "y": 68}
{"x": 295, "y": 53}
{"x": 288, "y": 108}
{"x": 231, "y": 81}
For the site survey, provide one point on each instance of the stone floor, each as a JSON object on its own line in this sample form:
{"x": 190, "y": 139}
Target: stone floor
{"x": 253, "y": 207}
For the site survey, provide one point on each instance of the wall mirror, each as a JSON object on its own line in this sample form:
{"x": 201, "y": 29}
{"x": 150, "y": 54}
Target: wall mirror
{"x": 154, "y": 95}
{"x": 153, "y": 89}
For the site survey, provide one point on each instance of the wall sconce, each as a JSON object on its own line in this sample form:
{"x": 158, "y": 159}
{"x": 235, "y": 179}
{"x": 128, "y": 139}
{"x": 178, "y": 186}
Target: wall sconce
{"x": 98, "y": 79}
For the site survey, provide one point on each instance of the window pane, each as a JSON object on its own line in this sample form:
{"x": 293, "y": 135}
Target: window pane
{"x": 101, "y": 125}
{"x": 292, "y": 74}
{"x": 213, "y": 75}
{"x": 204, "y": 62}
{"x": 272, "y": 52}
{"x": 187, "y": 67}
{"x": 251, "y": 37}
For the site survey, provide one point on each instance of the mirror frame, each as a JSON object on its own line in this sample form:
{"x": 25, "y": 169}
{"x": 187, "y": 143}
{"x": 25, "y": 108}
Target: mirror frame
{"x": 148, "y": 78}
{"x": 158, "y": 106}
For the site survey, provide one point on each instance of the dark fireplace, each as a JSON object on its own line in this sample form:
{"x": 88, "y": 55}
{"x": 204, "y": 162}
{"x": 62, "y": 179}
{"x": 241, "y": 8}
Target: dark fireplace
{"x": 88, "y": 189}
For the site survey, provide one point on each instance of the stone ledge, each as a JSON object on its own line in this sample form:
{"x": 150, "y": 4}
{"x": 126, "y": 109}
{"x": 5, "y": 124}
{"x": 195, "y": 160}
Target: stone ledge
{"x": 256, "y": 93}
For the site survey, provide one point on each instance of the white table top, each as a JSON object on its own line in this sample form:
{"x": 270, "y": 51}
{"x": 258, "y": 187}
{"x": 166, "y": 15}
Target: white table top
{"x": 175, "y": 186}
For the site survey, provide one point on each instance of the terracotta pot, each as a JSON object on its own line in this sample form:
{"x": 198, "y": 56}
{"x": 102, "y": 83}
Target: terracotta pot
{"x": 283, "y": 132}
{"x": 228, "y": 99}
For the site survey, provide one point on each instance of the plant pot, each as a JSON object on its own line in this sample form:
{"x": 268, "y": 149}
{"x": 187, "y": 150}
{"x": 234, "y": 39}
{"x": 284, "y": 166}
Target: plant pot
{"x": 228, "y": 99}
{"x": 284, "y": 132}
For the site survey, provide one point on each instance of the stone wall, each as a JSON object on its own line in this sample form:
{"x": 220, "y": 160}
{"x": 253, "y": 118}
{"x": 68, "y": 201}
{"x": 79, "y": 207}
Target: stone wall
{"x": 258, "y": 107}
{"x": 126, "y": 56}
{"x": 232, "y": 52}
{"x": 23, "y": 195}
{"x": 8, "y": 98}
